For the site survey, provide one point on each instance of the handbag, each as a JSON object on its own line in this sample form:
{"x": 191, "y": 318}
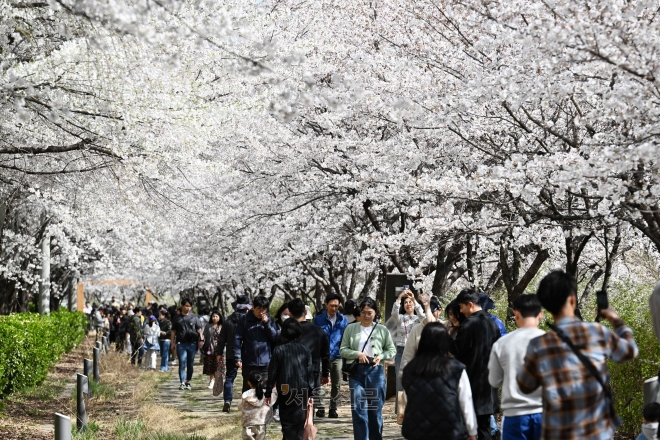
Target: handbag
{"x": 309, "y": 432}
{"x": 591, "y": 368}
{"x": 218, "y": 386}
{"x": 350, "y": 367}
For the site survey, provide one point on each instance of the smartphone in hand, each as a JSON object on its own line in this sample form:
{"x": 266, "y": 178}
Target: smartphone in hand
{"x": 601, "y": 302}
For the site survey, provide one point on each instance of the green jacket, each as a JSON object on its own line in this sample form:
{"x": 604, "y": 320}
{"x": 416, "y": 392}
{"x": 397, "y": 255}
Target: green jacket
{"x": 135, "y": 328}
{"x": 381, "y": 342}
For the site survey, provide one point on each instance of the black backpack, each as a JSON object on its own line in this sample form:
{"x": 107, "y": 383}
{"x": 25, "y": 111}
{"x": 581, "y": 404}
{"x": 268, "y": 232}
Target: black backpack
{"x": 186, "y": 332}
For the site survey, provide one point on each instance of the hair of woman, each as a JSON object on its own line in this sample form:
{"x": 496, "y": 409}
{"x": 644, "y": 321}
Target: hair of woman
{"x": 256, "y": 380}
{"x": 216, "y": 312}
{"x": 371, "y": 303}
{"x": 402, "y": 308}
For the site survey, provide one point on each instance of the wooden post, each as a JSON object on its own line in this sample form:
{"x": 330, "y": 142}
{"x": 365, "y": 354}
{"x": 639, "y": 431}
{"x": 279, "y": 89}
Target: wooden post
{"x": 81, "y": 297}
{"x": 62, "y": 427}
{"x": 97, "y": 359}
{"x": 81, "y": 411}
{"x": 88, "y": 368}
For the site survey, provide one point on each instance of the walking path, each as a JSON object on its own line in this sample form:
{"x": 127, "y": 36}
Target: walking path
{"x": 200, "y": 403}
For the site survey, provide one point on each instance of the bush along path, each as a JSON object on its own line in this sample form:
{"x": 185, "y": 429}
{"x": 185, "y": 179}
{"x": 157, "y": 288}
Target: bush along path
{"x": 202, "y": 411}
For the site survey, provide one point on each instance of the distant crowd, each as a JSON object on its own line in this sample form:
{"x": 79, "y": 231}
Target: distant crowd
{"x": 452, "y": 376}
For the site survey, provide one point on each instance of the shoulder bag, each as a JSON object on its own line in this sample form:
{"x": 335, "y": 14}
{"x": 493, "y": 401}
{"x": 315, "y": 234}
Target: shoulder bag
{"x": 351, "y": 367}
{"x": 591, "y": 368}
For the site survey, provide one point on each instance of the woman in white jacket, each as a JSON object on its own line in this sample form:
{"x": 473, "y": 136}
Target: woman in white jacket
{"x": 151, "y": 345}
{"x": 406, "y": 314}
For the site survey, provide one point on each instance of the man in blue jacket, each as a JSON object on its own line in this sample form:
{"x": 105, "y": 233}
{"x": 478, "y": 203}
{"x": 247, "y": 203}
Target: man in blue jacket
{"x": 253, "y": 343}
{"x": 333, "y": 323}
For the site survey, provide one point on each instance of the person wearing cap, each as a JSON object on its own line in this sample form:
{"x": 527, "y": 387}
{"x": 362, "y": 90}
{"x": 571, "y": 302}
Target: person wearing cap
{"x": 432, "y": 312}
{"x": 226, "y": 342}
{"x": 151, "y": 346}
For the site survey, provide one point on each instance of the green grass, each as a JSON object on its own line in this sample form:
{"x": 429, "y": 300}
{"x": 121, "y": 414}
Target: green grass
{"x": 129, "y": 429}
{"x": 137, "y": 430}
{"x": 101, "y": 390}
{"x": 89, "y": 434}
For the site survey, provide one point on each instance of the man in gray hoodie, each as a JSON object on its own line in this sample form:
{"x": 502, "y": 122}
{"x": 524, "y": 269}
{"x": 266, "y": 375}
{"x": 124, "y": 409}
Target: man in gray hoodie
{"x": 522, "y": 412}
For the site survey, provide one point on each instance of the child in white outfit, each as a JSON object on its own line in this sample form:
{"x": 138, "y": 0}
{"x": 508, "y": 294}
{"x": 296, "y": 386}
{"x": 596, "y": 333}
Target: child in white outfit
{"x": 255, "y": 413}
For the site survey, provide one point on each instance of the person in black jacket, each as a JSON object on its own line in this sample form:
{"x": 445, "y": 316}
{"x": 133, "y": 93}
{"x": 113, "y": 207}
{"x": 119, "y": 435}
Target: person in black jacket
{"x": 121, "y": 325}
{"x": 226, "y": 340}
{"x": 316, "y": 341}
{"x": 254, "y": 339}
{"x": 438, "y": 391}
{"x": 290, "y": 369}
{"x": 472, "y": 346}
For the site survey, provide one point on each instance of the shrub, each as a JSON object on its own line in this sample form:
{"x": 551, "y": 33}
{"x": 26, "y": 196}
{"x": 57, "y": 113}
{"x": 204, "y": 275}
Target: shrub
{"x": 631, "y": 303}
{"x": 31, "y": 343}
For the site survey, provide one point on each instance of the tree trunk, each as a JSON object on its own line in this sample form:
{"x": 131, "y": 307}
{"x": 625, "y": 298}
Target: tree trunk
{"x": 44, "y": 284}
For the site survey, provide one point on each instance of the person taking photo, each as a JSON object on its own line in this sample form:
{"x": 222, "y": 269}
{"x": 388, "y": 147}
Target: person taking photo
{"x": 570, "y": 365}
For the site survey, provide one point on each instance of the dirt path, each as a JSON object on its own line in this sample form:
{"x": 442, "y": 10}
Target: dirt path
{"x": 200, "y": 405}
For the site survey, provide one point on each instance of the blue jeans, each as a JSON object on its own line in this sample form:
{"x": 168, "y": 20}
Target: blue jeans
{"x": 367, "y": 399}
{"x": 230, "y": 376}
{"x": 397, "y": 367}
{"x": 186, "y": 354}
{"x": 164, "y": 355}
{"x": 493, "y": 426}
{"x": 527, "y": 427}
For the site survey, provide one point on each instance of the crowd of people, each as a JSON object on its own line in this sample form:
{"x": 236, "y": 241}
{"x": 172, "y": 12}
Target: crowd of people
{"x": 452, "y": 377}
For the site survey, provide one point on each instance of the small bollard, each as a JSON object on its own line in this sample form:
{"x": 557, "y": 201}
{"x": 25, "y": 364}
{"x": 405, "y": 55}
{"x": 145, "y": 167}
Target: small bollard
{"x": 62, "y": 427}
{"x": 81, "y": 411}
{"x": 99, "y": 345}
{"x": 88, "y": 371}
{"x": 97, "y": 359}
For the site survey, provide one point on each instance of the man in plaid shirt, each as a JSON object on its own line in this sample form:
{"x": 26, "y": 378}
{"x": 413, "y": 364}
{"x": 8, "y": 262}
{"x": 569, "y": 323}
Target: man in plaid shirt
{"x": 574, "y": 403}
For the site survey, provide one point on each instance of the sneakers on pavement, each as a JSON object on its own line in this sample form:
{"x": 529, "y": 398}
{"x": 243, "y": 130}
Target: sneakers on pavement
{"x": 333, "y": 414}
{"x": 182, "y": 386}
{"x": 188, "y": 387}
{"x": 211, "y": 384}
{"x": 226, "y": 407}
{"x": 320, "y": 413}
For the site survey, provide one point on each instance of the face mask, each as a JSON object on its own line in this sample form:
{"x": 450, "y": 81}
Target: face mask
{"x": 284, "y": 317}
{"x": 650, "y": 430}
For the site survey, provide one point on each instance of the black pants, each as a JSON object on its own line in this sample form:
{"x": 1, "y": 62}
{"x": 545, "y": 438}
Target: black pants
{"x": 483, "y": 427}
{"x": 246, "y": 375}
{"x": 293, "y": 413}
{"x": 121, "y": 339}
{"x": 137, "y": 354}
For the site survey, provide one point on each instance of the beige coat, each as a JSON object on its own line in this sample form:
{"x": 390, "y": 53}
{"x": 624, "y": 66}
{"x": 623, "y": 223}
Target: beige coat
{"x": 254, "y": 411}
{"x": 412, "y": 343}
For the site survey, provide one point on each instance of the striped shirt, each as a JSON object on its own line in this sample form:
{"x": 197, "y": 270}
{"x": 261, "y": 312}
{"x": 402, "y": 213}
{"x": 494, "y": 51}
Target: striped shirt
{"x": 574, "y": 404}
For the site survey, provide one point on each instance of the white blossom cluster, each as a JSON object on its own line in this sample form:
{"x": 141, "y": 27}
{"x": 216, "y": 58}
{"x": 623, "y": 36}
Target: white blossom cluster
{"x": 308, "y": 148}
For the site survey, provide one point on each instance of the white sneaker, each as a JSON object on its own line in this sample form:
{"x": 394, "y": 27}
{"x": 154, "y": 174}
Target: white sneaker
{"x": 211, "y": 384}
{"x": 276, "y": 415}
